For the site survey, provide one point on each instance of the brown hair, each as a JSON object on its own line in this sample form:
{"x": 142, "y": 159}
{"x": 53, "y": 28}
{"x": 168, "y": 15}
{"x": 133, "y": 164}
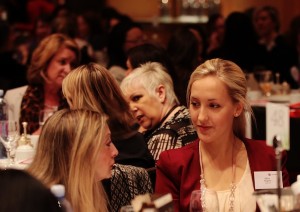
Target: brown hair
{"x": 43, "y": 54}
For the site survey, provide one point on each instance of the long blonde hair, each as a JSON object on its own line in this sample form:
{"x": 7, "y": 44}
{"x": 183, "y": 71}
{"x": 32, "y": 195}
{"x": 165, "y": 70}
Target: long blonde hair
{"x": 234, "y": 79}
{"x": 67, "y": 152}
{"x": 92, "y": 87}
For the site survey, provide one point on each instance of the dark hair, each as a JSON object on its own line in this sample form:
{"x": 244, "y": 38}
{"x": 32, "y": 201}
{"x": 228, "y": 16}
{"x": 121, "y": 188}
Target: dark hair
{"x": 211, "y": 24}
{"x": 22, "y": 192}
{"x": 4, "y": 33}
{"x": 116, "y": 41}
{"x": 183, "y": 48}
{"x": 149, "y": 53}
{"x": 239, "y": 30}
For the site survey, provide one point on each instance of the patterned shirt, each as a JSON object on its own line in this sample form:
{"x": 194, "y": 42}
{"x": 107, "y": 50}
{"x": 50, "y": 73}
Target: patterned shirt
{"x": 174, "y": 133}
{"x": 31, "y": 105}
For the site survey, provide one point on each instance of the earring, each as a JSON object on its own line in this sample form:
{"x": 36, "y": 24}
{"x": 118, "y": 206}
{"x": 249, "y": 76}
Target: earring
{"x": 236, "y": 115}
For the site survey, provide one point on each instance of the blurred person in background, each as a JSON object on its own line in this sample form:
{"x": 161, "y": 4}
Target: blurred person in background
{"x": 123, "y": 36}
{"x": 215, "y": 32}
{"x": 280, "y": 56}
{"x": 148, "y": 52}
{"x": 240, "y": 44}
{"x": 67, "y": 25}
{"x": 51, "y": 62}
{"x": 13, "y": 73}
{"x": 41, "y": 29}
{"x": 293, "y": 38}
{"x": 186, "y": 50}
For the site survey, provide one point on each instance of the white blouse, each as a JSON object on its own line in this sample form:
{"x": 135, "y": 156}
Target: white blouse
{"x": 244, "y": 199}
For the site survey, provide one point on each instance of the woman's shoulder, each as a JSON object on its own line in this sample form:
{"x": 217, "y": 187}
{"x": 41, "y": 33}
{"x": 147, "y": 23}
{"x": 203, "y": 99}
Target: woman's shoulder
{"x": 181, "y": 161}
{"x": 180, "y": 154}
{"x": 256, "y": 143}
{"x": 258, "y": 147}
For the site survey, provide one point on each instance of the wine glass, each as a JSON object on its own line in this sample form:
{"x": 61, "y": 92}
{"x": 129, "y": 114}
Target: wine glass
{"x": 266, "y": 82}
{"x": 211, "y": 201}
{"x": 9, "y": 135}
{"x": 45, "y": 114}
{"x": 195, "y": 201}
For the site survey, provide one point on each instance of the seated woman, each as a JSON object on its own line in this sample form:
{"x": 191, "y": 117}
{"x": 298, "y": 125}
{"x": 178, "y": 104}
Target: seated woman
{"x": 222, "y": 159}
{"x": 149, "y": 90}
{"x": 92, "y": 87}
{"x": 75, "y": 150}
{"x": 51, "y": 62}
{"x": 22, "y": 192}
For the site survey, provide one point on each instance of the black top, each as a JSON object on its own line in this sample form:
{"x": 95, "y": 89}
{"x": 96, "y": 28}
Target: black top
{"x": 131, "y": 145}
{"x": 133, "y": 151}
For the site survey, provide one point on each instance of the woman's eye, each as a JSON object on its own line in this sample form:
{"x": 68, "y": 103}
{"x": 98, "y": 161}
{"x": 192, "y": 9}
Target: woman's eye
{"x": 108, "y": 143}
{"x": 214, "y": 105}
{"x": 136, "y": 98}
{"x": 195, "y": 104}
{"x": 63, "y": 62}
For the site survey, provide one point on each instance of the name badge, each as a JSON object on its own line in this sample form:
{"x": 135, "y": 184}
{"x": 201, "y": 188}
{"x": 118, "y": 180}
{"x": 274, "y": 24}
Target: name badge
{"x": 266, "y": 180}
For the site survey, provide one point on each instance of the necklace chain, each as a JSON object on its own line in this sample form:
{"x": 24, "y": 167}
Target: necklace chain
{"x": 203, "y": 185}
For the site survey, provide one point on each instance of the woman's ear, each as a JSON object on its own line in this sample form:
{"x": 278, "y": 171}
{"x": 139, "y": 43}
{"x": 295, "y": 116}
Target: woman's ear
{"x": 161, "y": 93}
{"x": 238, "y": 109}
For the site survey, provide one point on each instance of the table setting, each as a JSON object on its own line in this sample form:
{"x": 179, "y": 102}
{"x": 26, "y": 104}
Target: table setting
{"x": 20, "y": 149}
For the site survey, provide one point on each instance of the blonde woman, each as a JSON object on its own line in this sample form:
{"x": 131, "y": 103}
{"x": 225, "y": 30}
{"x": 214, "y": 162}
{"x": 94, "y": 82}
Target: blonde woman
{"x": 75, "y": 149}
{"x": 222, "y": 160}
{"x": 92, "y": 87}
{"x": 52, "y": 60}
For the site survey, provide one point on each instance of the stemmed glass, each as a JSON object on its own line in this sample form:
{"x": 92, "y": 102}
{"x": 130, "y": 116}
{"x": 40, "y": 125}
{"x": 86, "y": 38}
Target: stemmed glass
{"x": 9, "y": 135}
{"x": 195, "y": 201}
{"x": 210, "y": 198}
{"x": 45, "y": 114}
{"x": 266, "y": 82}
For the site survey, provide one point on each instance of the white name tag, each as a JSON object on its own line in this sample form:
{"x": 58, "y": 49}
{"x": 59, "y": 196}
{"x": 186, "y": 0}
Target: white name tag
{"x": 266, "y": 180}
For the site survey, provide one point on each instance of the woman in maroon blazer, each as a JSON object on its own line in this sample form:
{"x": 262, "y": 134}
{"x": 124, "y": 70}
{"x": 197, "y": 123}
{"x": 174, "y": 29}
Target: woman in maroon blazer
{"x": 222, "y": 159}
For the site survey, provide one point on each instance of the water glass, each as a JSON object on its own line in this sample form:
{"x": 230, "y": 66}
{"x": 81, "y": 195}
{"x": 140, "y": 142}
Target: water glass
{"x": 266, "y": 82}
{"x": 9, "y": 135}
{"x": 45, "y": 114}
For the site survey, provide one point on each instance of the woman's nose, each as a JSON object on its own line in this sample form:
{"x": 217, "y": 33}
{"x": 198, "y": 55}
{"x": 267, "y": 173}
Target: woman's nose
{"x": 132, "y": 107}
{"x": 67, "y": 68}
{"x": 202, "y": 116}
{"x": 115, "y": 152}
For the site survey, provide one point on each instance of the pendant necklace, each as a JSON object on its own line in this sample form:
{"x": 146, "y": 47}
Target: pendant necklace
{"x": 203, "y": 185}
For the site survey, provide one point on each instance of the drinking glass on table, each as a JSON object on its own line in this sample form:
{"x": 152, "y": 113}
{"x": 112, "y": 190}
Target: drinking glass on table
{"x": 45, "y": 114}
{"x": 266, "y": 82}
{"x": 210, "y": 203}
{"x": 9, "y": 135}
